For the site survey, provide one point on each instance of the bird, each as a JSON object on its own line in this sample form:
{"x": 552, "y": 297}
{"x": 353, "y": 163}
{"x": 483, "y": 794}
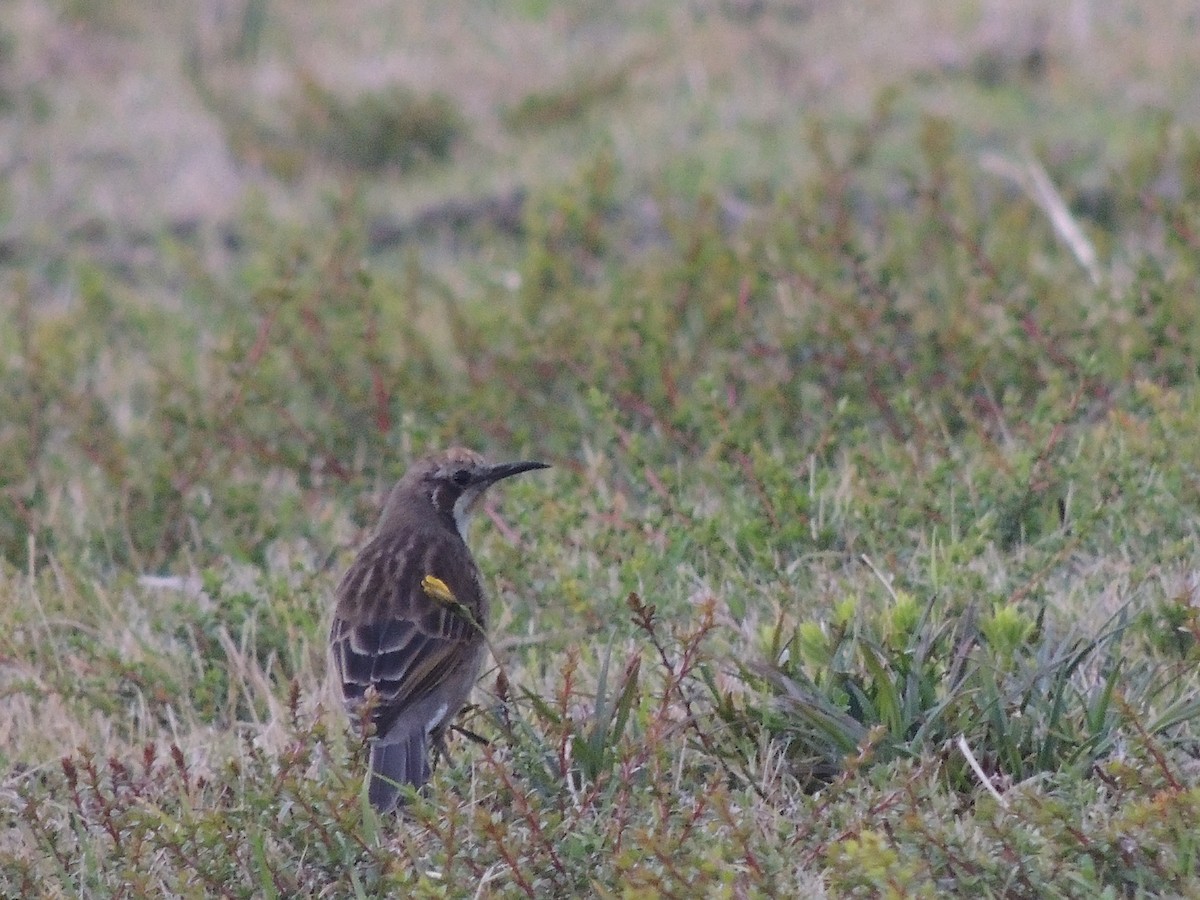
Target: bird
{"x": 409, "y": 631}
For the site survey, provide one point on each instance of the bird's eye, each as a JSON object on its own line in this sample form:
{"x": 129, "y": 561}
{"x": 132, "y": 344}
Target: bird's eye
{"x": 461, "y": 477}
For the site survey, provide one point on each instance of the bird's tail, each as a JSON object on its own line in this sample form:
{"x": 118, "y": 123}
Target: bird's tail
{"x": 394, "y": 764}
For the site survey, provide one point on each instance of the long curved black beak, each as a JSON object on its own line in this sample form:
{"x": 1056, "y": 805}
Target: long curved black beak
{"x": 499, "y": 471}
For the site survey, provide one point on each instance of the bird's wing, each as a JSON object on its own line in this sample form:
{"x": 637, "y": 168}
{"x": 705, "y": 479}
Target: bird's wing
{"x": 408, "y": 616}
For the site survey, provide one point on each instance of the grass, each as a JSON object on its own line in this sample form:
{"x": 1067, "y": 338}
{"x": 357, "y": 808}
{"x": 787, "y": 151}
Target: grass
{"x": 866, "y": 566}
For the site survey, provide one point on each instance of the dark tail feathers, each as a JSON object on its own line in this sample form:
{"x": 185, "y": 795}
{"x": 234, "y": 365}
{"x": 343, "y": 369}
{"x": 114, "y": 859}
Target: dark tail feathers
{"x": 394, "y": 764}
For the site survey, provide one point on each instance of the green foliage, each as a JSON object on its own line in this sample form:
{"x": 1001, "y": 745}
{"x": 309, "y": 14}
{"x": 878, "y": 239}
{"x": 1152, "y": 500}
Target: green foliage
{"x": 1172, "y": 626}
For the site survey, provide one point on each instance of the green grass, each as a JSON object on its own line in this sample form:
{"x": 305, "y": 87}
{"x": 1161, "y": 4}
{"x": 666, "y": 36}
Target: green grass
{"x": 866, "y": 567}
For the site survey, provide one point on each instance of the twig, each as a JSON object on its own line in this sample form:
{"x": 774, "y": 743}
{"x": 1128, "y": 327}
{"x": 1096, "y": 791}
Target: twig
{"x": 1031, "y": 177}
{"x": 887, "y": 585}
{"x": 965, "y": 749}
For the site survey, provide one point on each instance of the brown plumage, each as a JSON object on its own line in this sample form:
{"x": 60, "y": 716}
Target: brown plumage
{"x": 410, "y": 623}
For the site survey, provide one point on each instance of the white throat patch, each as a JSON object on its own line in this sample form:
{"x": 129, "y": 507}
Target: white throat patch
{"x": 463, "y": 511}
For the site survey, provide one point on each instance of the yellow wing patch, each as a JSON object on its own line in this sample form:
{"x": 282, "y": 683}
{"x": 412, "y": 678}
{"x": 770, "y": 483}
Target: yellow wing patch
{"x": 436, "y": 589}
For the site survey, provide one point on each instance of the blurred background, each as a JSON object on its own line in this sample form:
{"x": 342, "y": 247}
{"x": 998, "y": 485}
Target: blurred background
{"x": 125, "y": 124}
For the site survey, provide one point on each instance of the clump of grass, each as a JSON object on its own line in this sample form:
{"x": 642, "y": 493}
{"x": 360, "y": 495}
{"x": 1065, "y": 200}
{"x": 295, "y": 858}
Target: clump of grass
{"x": 393, "y": 127}
{"x": 8, "y": 48}
{"x": 579, "y": 94}
{"x": 913, "y": 677}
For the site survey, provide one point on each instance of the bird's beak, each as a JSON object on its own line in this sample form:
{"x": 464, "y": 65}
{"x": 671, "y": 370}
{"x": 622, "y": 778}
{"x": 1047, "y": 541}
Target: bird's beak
{"x": 495, "y": 473}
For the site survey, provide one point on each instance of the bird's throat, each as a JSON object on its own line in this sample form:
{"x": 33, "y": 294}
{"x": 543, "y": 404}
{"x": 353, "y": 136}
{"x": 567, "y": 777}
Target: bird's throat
{"x": 463, "y": 508}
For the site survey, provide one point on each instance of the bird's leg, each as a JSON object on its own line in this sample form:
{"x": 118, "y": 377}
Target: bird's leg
{"x": 468, "y": 733}
{"x": 437, "y": 743}
{"x": 472, "y": 736}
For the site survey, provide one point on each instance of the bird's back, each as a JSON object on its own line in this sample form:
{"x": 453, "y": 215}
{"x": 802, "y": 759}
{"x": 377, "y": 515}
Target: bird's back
{"x": 392, "y": 633}
{"x": 408, "y": 640}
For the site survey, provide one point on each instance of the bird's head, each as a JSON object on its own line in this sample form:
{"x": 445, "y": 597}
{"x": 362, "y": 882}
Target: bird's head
{"x": 452, "y": 482}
